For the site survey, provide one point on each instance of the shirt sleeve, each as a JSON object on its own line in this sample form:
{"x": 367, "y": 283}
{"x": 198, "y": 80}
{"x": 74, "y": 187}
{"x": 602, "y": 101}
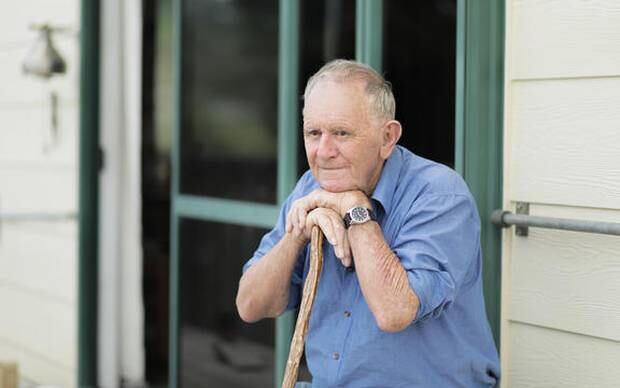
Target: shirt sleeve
{"x": 273, "y": 237}
{"x": 439, "y": 247}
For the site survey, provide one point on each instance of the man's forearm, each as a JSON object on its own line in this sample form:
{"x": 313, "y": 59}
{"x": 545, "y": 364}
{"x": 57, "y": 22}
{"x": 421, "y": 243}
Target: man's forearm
{"x": 382, "y": 278}
{"x": 264, "y": 287}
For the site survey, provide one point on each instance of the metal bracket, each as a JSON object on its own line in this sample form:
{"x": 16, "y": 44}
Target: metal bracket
{"x": 522, "y": 208}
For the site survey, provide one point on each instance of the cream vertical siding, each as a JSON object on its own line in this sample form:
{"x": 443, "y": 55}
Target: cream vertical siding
{"x": 560, "y": 301}
{"x": 38, "y": 266}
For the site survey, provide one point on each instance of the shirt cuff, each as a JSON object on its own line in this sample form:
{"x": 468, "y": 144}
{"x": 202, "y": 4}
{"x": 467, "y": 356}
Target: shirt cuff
{"x": 435, "y": 291}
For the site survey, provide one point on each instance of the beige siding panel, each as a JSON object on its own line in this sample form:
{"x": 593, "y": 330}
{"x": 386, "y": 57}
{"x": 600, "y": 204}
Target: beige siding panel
{"x": 40, "y": 325}
{"x": 21, "y": 96}
{"x": 542, "y": 358}
{"x": 26, "y": 137}
{"x": 35, "y": 367}
{"x": 564, "y": 38}
{"x": 19, "y": 89}
{"x": 565, "y": 142}
{"x": 33, "y": 189}
{"x": 567, "y": 280}
{"x": 14, "y": 25}
{"x": 505, "y": 349}
{"x": 16, "y": 39}
{"x": 40, "y": 258}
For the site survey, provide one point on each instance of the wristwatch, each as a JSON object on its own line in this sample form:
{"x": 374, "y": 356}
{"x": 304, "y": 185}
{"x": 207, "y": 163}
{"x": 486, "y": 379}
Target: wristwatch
{"x": 358, "y": 215}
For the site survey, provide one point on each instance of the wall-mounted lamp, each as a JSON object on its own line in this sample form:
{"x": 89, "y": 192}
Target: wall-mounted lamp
{"x": 43, "y": 59}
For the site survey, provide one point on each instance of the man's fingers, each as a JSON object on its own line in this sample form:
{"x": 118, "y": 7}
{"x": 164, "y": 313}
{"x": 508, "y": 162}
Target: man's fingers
{"x": 339, "y": 243}
{"x": 327, "y": 228}
{"x": 338, "y": 238}
{"x": 289, "y": 224}
{"x": 343, "y": 240}
{"x": 301, "y": 217}
{"x": 347, "y": 258}
{"x": 333, "y": 228}
{"x": 321, "y": 218}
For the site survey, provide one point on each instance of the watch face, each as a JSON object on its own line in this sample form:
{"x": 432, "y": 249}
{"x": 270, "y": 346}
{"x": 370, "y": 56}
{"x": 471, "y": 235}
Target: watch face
{"x": 359, "y": 214}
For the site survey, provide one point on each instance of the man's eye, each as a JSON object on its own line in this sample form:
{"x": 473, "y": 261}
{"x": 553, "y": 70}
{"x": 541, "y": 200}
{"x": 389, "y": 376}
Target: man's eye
{"x": 341, "y": 133}
{"x": 313, "y": 132}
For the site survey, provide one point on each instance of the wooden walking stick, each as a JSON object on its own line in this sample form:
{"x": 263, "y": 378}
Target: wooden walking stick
{"x": 301, "y": 327}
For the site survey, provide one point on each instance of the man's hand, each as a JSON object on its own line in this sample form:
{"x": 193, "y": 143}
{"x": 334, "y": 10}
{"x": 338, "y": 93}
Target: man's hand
{"x": 328, "y": 220}
{"x": 319, "y": 198}
{"x": 332, "y": 226}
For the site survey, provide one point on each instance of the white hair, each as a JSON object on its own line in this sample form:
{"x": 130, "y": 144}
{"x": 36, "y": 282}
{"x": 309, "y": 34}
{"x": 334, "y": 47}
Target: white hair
{"x": 379, "y": 91}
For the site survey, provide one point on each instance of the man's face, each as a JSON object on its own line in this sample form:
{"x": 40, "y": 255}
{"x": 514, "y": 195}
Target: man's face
{"x": 343, "y": 141}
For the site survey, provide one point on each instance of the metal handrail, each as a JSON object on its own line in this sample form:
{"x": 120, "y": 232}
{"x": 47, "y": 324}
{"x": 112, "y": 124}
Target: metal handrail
{"x": 505, "y": 219}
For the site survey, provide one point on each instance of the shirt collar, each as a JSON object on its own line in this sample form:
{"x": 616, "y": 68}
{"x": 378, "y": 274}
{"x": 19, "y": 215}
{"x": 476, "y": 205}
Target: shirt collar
{"x": 384, "y": 192}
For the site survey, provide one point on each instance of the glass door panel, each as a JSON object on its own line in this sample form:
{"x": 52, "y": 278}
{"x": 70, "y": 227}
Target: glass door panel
{"x": 229, "y": 83}
{"x": 230, "y": 143}
{"x": 217, "y": 348}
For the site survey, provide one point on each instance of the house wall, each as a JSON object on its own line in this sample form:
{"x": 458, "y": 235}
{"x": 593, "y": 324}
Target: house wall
{"x": 38, "y": 173}
{"x": 560, "y": 305}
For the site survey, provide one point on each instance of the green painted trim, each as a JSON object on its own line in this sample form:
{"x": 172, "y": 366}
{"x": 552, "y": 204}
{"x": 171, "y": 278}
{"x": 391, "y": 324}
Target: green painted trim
{"x": 369, "y": 33}
{"x": 285, "y": 326}
{"x": 360, "y": 17}
{"x": 479, "y": 108}
{"x": 288, "y": 138}
{"x": 459, "y": 136}
{"x": 226, "y": 210}
{"x": 288, "y": 97}
{"x": 89, "y": 166}
{"x": 174, "y": 350}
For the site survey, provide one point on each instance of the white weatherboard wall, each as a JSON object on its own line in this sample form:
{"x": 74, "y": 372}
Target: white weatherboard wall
{"x": 38, "y": 266}
{"x": 560, "y": 290}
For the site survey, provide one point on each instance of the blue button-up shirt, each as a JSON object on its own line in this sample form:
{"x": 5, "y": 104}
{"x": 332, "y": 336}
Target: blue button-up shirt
{"x": 429, "y": 219}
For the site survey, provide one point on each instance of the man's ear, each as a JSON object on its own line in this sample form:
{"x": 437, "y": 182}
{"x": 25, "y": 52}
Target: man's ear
{"x": 391, "y": 133}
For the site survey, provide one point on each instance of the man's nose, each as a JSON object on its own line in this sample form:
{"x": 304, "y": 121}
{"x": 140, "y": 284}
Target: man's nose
{"x": 327, "y": 147}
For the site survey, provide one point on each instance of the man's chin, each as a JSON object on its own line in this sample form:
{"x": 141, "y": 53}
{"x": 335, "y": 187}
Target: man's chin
{"x": 336, "y": 187}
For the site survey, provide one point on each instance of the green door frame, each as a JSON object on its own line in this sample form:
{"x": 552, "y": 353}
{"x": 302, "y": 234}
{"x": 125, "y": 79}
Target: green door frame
{"x": 288, "y": 139}
{"x": 369, "y": 33}
{"x": 88, "y": 215}
{"x": 480, "y": 36}
{"x": 479, "y": 128}
{"x": 232, "y": 211}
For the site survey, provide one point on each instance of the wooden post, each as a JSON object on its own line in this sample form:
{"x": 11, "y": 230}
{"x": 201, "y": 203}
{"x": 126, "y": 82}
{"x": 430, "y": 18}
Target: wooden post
{"x": 8, "y": 375}
{"x": 301, "y": 327}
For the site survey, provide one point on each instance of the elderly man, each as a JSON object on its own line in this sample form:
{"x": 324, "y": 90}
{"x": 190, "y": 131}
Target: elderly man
{"x": 399, "y": 303}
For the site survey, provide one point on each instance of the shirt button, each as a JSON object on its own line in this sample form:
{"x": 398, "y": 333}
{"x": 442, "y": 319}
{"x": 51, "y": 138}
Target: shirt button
{"x": 347, "y": 313}
{"x": 336, "y": 356}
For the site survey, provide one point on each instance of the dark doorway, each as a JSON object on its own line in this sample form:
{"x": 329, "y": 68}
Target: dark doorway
{"x": 156, "y": 129}
{"x": 420, "y": 60}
